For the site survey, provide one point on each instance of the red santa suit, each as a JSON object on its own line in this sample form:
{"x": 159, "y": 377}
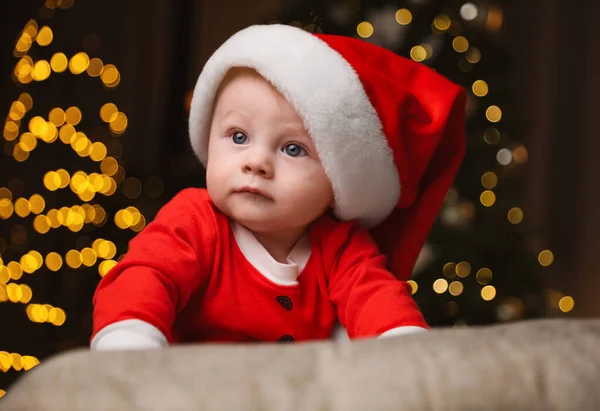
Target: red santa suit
{"x": 194, "y": 275}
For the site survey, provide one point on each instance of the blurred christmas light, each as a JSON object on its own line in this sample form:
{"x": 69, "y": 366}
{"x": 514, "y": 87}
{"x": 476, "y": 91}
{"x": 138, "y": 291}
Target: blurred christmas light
{"x": 566, "y": 304}
{"x": 491, "y": 136}
{"x": 418, "y": 53}
{"x": 484, "y": 276}
{"x": 441, "y": 22}
{"x": 546, "y": 258}
{"x": 365, "y": 29}
{"x": 440, "y": 285}
{"x": 413, "y": 286}
{"x": 488, "y": 292}
{"x": 449, "y": 270}
{"x": 463, "y": 269}
{"x": 520, "y": 154}
{"x": 403, "y": 17}
{"x": 515, "y": 215}
{"x": 79, "y": 63}
{"x": 480, "y": 88}
{"x": 455, "y": 288}
{"x": 493, "y": 114}
{"x": 489, "y": 180}
{"x": 44, "y": 36}
{"x": 95, "y": 67}
{"x": 468, "y": 11}
{"x": 59, "y": 62}
{"x": 460, "y": 44}
{"x": 494, "y": 19}
{"x": 504, "y": 156}
{"x": 487, "y": 198}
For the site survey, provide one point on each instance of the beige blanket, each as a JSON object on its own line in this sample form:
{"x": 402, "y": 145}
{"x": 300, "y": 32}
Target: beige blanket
{"x": 537, "y": 365}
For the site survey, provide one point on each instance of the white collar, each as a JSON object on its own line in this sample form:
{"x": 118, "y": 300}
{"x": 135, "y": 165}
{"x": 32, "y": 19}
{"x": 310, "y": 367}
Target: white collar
{"x": 259, "y": 257}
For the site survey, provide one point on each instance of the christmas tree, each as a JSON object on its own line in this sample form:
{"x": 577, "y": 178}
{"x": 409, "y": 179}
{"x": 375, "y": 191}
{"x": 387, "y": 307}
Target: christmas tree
{"x": 478, "y": 265}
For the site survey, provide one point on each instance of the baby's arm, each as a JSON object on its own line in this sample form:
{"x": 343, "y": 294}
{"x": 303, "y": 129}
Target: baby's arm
{"x": 370, "y": 301}
{"x": 135, "y": 304}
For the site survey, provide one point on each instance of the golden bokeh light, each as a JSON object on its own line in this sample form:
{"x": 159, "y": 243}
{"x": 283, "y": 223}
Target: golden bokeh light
{"x": 105, "y": 267}
{"x": 365, "y": 29}
{"x": 17, "y": 110}
{"x": 11, "y": 130}
{"x": 488, "y": 293}
{"x": 441, "y": 22}
{"x": 22, "y": 207}
{"x": 57, "y": 316}
{"x": 57, "y": 116}
{"x": 42, "y": 224}
{"x": 27, "y": 101}
{"x": 66, "y": 133}
{"x": 109, "y": 166}
{"x": 59, "y": 62}
{"x": 515, "y": 215}
{"x": 52, "y": 180}
{"x": 488, "y": 198}
{"x": 480, "y": 88}
{"x": 44, "y": 36}
{"x": 566, "y": 304}
{"x": 41, "y": 70}
{"x": 53, "y": 261}
{"x": 73, "y": 115}
{"x": 440, "y": 285}
{"x": 449, "y": 270}
{"x": 73, "y": 259}
{"x": 98, "y": 151}
{"x": 455, "y": 288}
{"x": 473, "y": 55}
{"x": 463, "y": 269}
{"x": 95, "y": 67}
{"x": 418, "y": 53}
{"x": 413, "y": 286}
{"x": 520, "y": 154}
{"x": 38, "y": 126}
{"x": 546, "y": 258}
{"x": 88, "y": 257}
{"x": 460, "y": 44}
{"x": 27, "y": 142}
{"x": 108, "y": 112}
{"x": 79, "y": 63}
{"x": 118, "y": 123}
{"x": 6, "y": 208}
{"x": 403, "y": 17}
{"x": 489, "y": 180}
{"x": 110, "y": 76}
{"x": 493, "y": 114}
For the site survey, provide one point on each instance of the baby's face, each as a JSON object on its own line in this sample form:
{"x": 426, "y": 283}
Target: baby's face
{"x": 258, "y": 142}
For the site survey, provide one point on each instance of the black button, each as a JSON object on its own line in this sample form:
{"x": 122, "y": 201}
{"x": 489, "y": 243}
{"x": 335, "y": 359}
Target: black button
{"x": 286, "y": 339}
{"x": 285, "y": 302}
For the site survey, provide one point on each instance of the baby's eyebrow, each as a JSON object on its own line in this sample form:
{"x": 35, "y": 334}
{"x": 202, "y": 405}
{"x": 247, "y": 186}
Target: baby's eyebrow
{"x": 234, "y": 113}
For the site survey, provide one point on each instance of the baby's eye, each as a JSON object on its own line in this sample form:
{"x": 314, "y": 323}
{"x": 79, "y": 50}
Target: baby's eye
{"x": 238, "y": 137}
{"x": 294, "y": 150}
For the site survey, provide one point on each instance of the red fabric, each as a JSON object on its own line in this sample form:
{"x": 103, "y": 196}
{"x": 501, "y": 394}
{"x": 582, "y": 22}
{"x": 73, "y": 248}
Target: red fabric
{"x": 423, "y": 117}
{"x": 185, "y": 274}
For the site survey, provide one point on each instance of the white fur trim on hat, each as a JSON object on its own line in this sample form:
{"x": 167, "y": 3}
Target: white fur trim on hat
{"x": 328, "y": 95}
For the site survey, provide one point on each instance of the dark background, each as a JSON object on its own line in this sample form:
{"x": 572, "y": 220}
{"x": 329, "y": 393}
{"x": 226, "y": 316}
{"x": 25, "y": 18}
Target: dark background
{"x": 541, "y": 65}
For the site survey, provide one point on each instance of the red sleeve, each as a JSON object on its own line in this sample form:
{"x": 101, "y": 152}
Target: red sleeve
{"x": 164, "y": 265}
{"x": 368, "y": 298}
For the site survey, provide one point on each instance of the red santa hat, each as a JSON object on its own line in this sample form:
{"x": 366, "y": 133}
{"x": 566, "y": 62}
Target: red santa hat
{"x": 388, "y": 131}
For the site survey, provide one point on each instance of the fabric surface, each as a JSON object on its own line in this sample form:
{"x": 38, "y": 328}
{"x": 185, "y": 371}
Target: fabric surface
{"x": 549, "y": 365}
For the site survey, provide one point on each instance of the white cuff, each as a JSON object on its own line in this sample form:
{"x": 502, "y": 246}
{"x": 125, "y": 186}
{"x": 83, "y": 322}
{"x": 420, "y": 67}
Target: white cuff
{"x": 128, "y": 335}
{"x": 409, "y": 329}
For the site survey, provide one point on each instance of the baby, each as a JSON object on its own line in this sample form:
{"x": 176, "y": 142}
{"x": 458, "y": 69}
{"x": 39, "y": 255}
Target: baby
{"x": 307, "y": 140}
